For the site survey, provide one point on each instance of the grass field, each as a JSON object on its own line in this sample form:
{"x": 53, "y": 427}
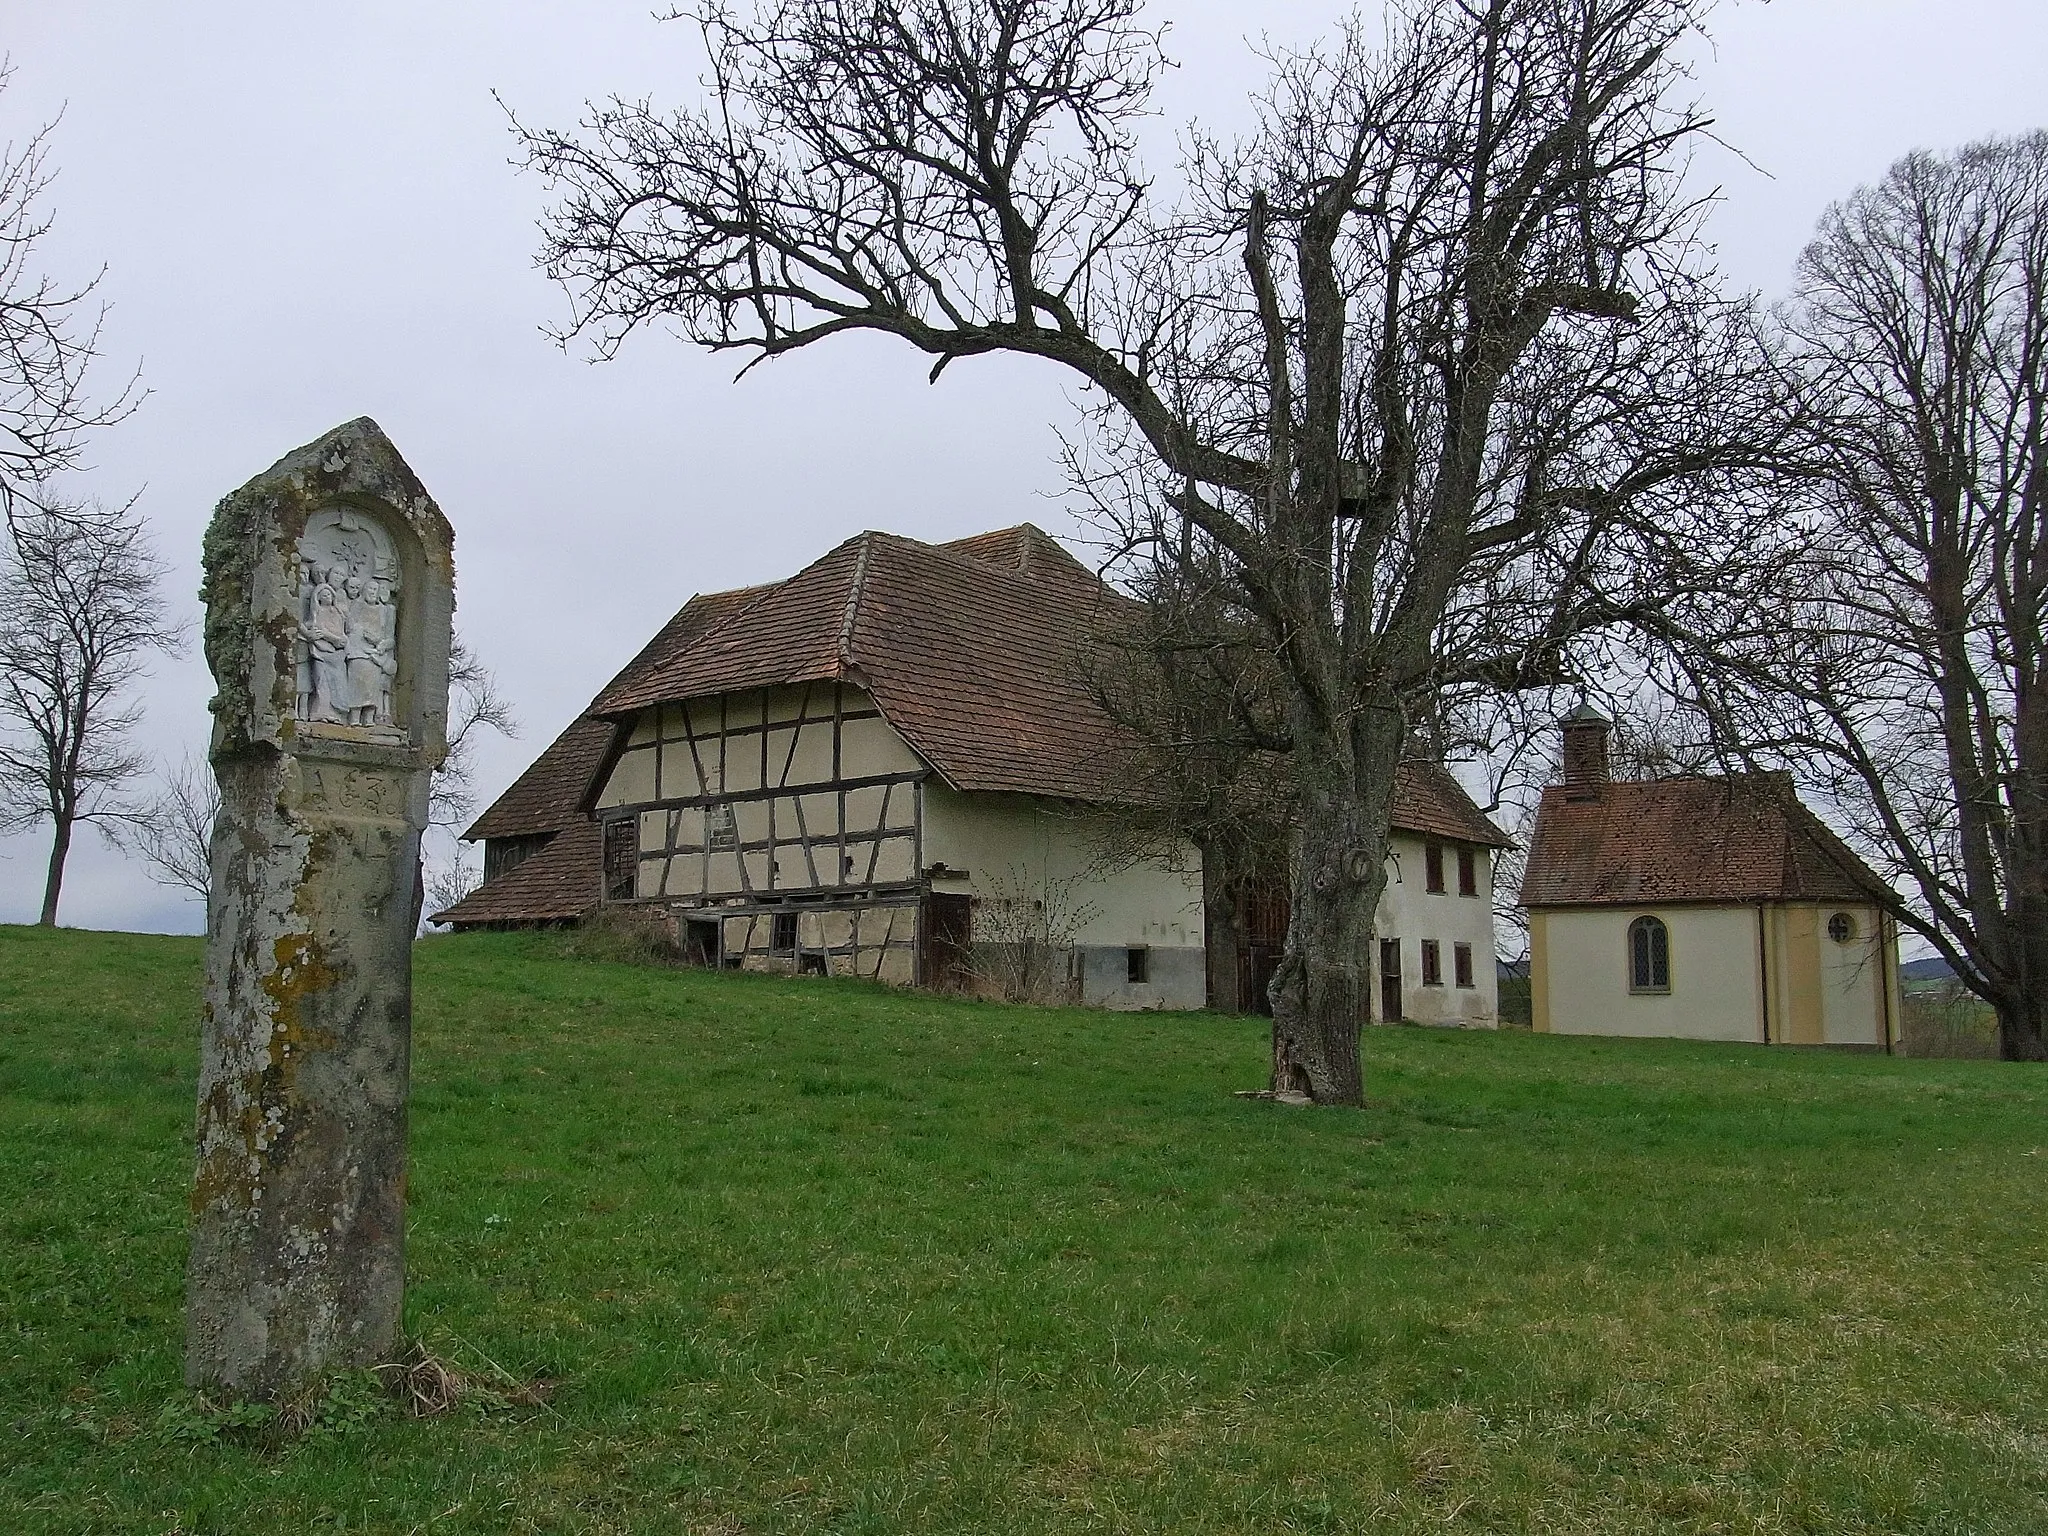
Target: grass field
{"x": 809, "y": 1256}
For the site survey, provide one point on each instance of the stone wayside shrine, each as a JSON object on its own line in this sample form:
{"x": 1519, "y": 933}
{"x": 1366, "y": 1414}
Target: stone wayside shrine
{"x": 329, "y": 594}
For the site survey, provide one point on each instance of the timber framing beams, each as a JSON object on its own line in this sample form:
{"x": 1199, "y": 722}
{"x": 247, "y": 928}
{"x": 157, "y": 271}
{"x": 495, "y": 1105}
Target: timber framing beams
{"x": 768, "y": 794}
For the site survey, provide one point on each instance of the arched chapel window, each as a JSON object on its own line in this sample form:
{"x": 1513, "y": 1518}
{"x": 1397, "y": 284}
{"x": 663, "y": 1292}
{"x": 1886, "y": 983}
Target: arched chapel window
{"x": 1649, "y": 956}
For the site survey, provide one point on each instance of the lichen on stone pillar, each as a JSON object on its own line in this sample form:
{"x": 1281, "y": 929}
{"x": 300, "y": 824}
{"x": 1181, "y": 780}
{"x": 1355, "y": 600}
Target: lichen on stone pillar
{"x": 329, "y": 592}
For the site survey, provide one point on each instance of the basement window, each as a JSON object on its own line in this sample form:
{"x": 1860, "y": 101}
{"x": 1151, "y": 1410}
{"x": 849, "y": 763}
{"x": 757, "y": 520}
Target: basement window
{"x": 1137, "y": 965}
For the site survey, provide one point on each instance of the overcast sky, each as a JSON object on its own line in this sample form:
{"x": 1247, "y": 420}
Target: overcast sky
{"x": 307, "y": 214}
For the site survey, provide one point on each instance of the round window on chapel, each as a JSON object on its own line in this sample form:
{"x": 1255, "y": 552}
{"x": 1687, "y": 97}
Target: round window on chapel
{"x": 1842, "y": 928}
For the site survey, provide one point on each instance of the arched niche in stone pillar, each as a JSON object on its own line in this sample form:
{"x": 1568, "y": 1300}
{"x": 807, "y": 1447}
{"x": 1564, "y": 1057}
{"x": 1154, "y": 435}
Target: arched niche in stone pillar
{"x": 358, "y": 629}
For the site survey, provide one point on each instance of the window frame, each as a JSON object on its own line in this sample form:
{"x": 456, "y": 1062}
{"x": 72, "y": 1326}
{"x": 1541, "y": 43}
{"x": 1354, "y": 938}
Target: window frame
{"x": 779, "y": 924}
{"x": 1433, "y": 868}
{"x": 1432, "y": 963}
{"x": 1468, "y": 870}
{"x": 620, "y": 883}
{"x": 1652, "y": 925}
{"x": 1847, "y": 920}
{"x": 1137, "y": 965}
{"x": 1462, "y": 973}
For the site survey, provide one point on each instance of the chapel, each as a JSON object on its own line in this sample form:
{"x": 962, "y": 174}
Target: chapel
{"x": 1701, "y": 906}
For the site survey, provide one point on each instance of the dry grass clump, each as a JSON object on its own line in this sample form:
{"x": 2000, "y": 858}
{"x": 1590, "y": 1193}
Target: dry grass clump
{"x": 624, "y": 935}
{"x": 425, "y": 1386}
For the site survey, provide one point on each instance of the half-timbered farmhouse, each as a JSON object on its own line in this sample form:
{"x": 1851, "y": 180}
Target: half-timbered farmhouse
{"x": 1705, "y": 906}
{"x": 891, "y": 766}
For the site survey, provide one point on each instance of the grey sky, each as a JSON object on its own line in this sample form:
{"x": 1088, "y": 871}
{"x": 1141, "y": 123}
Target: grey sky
{"x": 307, "y": 214}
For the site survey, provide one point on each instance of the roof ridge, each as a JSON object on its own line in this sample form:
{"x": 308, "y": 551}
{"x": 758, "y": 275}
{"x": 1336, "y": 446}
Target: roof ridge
{"x": 854, "y": 589}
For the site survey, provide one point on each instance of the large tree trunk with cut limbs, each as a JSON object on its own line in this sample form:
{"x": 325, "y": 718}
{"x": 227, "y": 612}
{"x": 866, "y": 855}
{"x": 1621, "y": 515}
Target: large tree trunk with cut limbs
{"x": 1321, "y": 992}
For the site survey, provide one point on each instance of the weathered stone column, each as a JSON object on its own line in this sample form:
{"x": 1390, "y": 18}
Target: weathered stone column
{"x": 329, "y": 593}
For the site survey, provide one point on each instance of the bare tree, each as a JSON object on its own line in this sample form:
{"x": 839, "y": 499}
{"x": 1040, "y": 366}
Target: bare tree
{"x": 80, "y": 611}
{"x": 475, "y": 708}
{"x": 49, "y": 337}
{"x": 172, "y": 832}
{"x": 1425, "y": 364}
{"x": 1901, "y": 674}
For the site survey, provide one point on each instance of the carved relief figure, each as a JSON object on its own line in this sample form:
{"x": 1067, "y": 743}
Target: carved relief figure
{"x": 347, "y": 654}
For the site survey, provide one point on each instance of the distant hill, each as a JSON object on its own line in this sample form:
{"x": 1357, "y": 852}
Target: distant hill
{"x": 1933, "y": 968}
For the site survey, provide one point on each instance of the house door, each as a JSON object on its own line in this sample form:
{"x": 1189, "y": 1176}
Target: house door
{"x": 1265, "y": 929}
{"x": 1390, "y": 981}
{"x": 947, "y": 922}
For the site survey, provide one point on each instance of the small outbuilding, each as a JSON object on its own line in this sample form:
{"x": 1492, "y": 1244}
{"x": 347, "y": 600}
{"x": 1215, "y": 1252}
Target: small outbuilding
{"x": 1704, "y": 907}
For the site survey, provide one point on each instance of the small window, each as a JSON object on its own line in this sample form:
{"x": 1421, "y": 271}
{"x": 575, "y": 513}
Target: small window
{"x": 1468, "y": 872}
{"x": 1842, "y": 928}
{"x": 1432, "y": 963}
{"x": 811, "y": 963}
{"x": 782, "y": 936}
{"x": 721, "y": 831}
{"x": 1649, "y": 956}
{"x": 1461, "y": 964}
{"x": 1137, "y": 965}
{"x": 1433, "y": 867}
{"x": 622, "y": 858}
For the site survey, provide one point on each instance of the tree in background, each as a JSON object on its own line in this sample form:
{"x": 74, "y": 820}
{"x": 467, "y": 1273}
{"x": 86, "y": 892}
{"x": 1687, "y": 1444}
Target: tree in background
{"x": 172, "y": 832}
{"x": 1427, "y": 366}
{"x": 475, "y": 707}
{"x": 80, "y": 613}
{"x": 1900, "y": 673}
{"x": 49, "y": 337}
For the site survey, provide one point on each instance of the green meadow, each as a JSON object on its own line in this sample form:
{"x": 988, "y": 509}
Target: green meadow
{"x": 811, "y": 1256}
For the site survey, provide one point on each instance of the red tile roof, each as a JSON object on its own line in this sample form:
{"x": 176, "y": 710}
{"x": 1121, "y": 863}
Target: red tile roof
{"x": 557, "y": 884}
{"x": 548, "y": 794}
{"x": 973, "y": 660}
{"x": 1737, "y": 838}
{"x": 1428, "y": 800}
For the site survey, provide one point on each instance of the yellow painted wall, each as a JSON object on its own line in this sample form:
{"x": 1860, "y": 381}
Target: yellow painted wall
{"x": 1850, "y": 978}
{"x": 1818, "y": 991}
{"x": 1583, "y": 976}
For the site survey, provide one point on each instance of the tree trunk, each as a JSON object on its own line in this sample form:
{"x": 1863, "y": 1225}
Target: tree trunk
{"x": 1322, "y": 989}
{"x": 2023, "y": 1009}
{"x": 60, "y": 850}
{"x": 2023, "y": 1028}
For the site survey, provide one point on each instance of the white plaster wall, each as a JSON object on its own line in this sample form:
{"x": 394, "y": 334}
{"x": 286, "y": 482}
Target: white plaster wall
{"x": 1714, "y": 992}
{"x": 1411, "y": 913}
{"x": 1015, "y": 847}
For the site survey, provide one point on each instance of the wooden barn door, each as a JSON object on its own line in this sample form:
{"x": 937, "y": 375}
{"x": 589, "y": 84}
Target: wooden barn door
{"x": 946, "y": 931}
